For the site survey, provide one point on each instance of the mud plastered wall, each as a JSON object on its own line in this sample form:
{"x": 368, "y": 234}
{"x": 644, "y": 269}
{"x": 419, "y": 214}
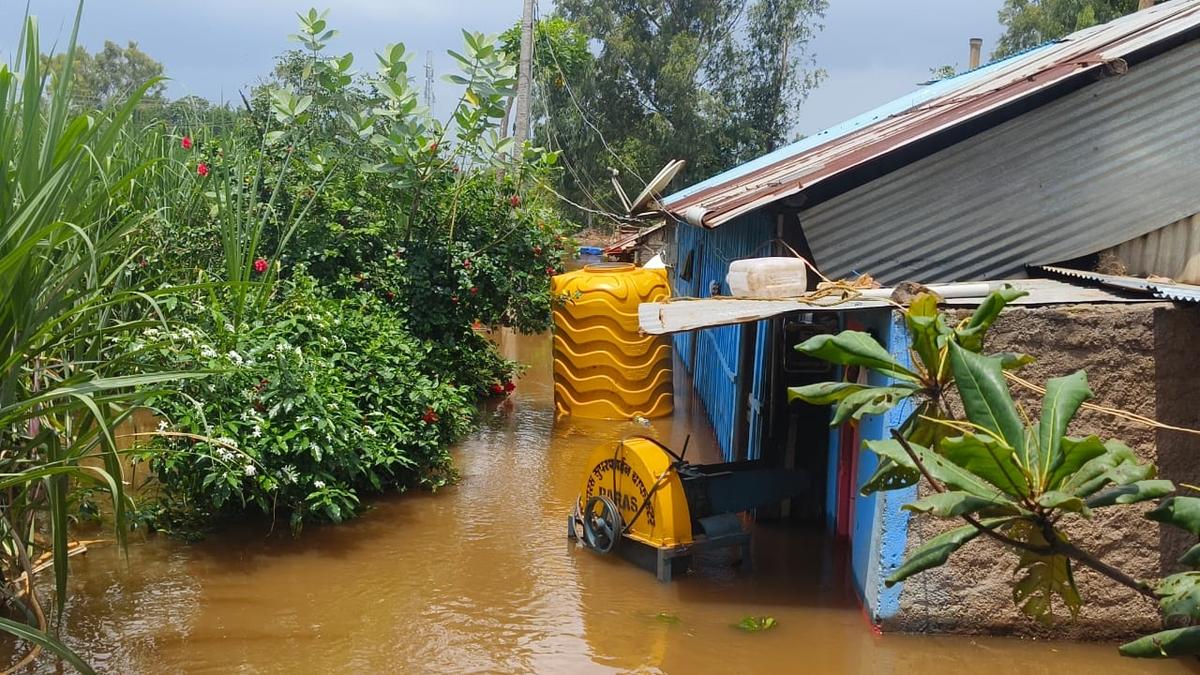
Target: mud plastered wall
{"x": 1140, "y": 358}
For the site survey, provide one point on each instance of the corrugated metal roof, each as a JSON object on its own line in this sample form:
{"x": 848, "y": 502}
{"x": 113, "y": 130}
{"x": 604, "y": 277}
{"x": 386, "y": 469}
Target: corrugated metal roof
{"x": 1161, "y": 290}
{"x": 926, "y": 113}
{"x": 1172, "y": 251}
{"x": 1100, "y": 166}
{"x": 631, "y": 240}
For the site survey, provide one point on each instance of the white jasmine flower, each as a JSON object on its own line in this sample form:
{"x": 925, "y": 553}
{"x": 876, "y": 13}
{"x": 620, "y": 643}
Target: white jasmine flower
{"x": 249, "y": 470}
{"x": 226, "y": 441}
{"x": 208, "y": 352}
{"x": 162, "y": 425}
{"x": 319, "y": 484}
{"x": 235, "y": 357}
{"x": 257, "y": 433}
{"x": 369, "y": 431}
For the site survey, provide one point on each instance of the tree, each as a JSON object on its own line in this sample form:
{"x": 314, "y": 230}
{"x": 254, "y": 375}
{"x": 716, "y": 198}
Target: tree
{"x": 1029, "y": 23}
{"x": 111, "y": 74}
{"x": 713, "y": 82}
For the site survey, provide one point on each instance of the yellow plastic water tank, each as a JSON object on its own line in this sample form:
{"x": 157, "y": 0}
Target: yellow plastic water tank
{"x": 604, "y": 367}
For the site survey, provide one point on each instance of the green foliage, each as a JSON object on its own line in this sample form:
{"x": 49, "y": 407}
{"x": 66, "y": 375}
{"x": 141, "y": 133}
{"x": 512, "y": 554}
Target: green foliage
{"x": 715, "y": 83}
{"x": 756, "y": 624}
{"x": 64, "y": 305}
{"x": 1018, "y": 483}
{"x": 112, "y": 74}
{"x": 1029, "y": 23}
{"x": 314, "y": 401}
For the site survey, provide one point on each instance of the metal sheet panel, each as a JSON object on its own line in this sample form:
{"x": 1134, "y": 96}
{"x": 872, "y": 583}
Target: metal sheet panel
{"x": 930, "y": 112}
{"x": 716, "y": 362}
{"x": 1098, "y": 167}
{"x": 1172, "y": 251}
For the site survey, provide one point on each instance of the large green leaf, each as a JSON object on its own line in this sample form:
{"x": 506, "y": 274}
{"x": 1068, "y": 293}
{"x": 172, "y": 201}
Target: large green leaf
{"x": 988, "y": 459}
{"x": 856, "y": 348}
{"x": 1140, "y": 491}
{"x": 1063, "y": 397}
{"x": 1165, "y": 644}
{"x": 971, "y": 335}
{"x": 921, "y": 317}
{"x": 1191, "y": 558}
{"x": 824, "y": 393}
{"x": 1098, "y": 471}
{"x": 1063, "y": 502}
{"x": 869, "y": 401}
{"x": 941, "y": 469}
{"x": 1044, "y": 577}
{"x": 1182, "y": 512}
{"x": 986, "y": 398}
{"x": 1076, "y": 452}
{"x": 889, "y": 475}
{"x": 1179, "y": 596}
{"x": 933, "y": 553}
{"x": 954, "y": 503}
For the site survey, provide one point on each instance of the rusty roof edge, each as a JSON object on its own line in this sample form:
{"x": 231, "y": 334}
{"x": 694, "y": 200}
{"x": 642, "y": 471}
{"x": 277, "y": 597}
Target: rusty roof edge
{"x": 741, "y": 193}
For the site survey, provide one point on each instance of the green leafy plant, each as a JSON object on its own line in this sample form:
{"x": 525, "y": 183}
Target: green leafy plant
{"x": 65, "y": 303}
{"x": 756, "y": 624}
{"x": 1005, "y": 477}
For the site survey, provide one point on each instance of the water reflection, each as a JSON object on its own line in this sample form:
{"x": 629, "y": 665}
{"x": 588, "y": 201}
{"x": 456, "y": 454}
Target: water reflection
{"x": 480, "y": 578}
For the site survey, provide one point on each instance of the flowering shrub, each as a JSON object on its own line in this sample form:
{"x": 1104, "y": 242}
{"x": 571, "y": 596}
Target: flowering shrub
{"x": 315, "y": 401}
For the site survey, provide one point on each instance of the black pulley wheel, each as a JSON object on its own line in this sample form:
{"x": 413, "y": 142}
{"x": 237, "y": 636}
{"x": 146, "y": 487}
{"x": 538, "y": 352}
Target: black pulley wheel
{"x": 601, "y": 524}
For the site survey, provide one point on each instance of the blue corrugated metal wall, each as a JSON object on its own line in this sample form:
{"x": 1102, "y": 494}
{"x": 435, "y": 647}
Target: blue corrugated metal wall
{"x": 715, "y": 367}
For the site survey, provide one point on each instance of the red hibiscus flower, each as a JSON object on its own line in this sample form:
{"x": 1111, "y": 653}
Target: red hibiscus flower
{"x": 260, "y": 265}
{"x": 549, "y": 271}
{"x": 202, "y": 169}
{"x": 430, "y": 416}
{"x": 509, "y": 385}
{"x": 454, "y": 299}
{"x": 497, "y": 388}
{"x": 390, "y": 295}
{"x": 514, "y": 201}
{"x": 474, "y": 290}
{"x": 433, "y": 147}
{"x": 537, "y": 250}
{"x": 467, "y": 263}
{"x": 186, "y": 142}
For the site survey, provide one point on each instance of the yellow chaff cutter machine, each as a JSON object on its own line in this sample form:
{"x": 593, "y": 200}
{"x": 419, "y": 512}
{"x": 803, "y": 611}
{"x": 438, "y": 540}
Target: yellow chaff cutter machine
{"x": 644, "y": 501}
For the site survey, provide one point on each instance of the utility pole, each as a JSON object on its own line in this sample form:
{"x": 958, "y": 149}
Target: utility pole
{"x": 429, "y": 97}
{"x": 524, "y": 77}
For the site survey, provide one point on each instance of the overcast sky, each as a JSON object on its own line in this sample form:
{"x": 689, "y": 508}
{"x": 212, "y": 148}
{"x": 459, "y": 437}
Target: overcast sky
{"x": 873, "y": 51}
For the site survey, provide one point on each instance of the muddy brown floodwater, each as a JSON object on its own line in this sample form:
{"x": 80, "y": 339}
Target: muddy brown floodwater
{"x": 480, "y": 578}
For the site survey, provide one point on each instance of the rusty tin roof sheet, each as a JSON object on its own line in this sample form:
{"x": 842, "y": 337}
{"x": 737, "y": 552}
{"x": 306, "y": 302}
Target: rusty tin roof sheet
{"x": 927, "y": 112}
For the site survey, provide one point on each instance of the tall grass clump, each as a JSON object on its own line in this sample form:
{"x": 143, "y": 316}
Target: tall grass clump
{"x": 64, "y": 306}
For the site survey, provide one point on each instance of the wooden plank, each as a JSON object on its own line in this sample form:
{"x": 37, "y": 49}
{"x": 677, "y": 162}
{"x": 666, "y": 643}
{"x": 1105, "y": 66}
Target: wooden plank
{"x": 658, "y": 318}
{"x": 684, "y": 314}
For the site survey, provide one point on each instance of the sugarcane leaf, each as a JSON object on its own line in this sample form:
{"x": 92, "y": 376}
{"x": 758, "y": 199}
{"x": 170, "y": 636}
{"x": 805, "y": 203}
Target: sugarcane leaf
{"x": 45, "y": 641}
{"x": 856, "y": 348}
